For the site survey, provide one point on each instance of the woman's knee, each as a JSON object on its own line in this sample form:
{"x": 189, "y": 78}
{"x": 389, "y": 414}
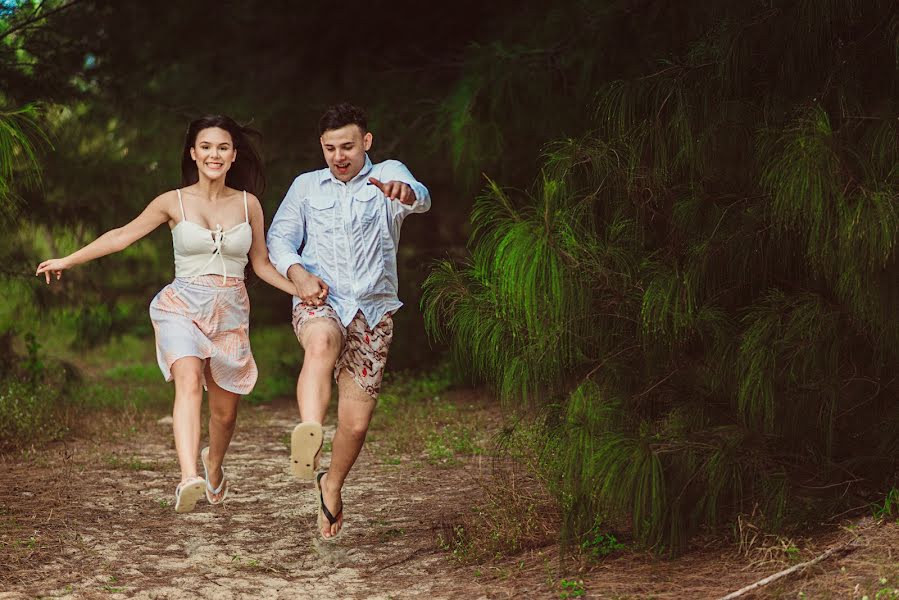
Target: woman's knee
{"x": 187, "y": 380}
{"x": 223, "y": 413}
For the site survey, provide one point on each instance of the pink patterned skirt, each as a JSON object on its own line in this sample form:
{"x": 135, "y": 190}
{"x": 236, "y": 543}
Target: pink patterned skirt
{"x": 206, "y": 318}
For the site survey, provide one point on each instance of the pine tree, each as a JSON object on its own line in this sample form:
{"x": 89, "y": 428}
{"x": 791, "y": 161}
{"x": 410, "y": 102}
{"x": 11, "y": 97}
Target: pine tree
{"x": 700, "y": 291}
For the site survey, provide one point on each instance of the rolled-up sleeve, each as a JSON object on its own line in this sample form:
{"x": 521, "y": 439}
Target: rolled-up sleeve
{"x": 394, "y": 170}
{"x": 285, "y": 236}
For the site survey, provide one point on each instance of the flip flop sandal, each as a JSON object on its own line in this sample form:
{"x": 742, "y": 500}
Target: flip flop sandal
{"x": 187, "y": 493}
{"x": 324, "y": 510}
{"x": 210, "y": 492}
{"x": 305, "y": 447}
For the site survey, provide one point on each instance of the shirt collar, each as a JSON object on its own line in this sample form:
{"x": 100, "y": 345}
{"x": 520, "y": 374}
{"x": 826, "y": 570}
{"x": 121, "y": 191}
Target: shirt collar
{"x": 326, "y": 173}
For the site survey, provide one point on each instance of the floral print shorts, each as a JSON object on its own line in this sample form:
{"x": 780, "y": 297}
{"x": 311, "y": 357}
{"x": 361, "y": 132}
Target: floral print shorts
{"x": 205, "y": 318}
{"x": 364, "y": 353}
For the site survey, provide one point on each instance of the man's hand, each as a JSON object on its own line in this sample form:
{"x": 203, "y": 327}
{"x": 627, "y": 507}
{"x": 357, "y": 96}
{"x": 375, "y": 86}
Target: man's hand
{"x": 310, "y": 289}
{"x": 396, "y": 190}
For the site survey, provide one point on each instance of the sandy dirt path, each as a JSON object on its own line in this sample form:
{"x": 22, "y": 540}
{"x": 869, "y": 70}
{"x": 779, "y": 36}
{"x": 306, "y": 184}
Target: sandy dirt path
{"x": 94, "y": 520}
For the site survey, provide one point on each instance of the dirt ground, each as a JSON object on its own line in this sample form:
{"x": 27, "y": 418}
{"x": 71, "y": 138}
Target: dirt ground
{"x": 93, "y": 518}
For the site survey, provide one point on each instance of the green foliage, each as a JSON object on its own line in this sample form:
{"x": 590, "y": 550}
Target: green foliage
{"x": 700, "y": 292}
{"x": 598, "y": 544}
{"x": 20, "y": 138}
{"x": 890, "y": 506}
{"x": 571, "y": 588}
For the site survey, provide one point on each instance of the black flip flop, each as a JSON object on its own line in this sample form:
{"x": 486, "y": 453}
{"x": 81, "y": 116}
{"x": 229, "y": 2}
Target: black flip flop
{"x": 324, "y": 509}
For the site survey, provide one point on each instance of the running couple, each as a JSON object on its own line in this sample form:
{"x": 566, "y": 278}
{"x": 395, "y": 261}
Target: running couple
{"x": 333, "y": 243}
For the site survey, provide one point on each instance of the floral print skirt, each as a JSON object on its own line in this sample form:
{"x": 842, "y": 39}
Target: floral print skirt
{"x": 208, "y": 318}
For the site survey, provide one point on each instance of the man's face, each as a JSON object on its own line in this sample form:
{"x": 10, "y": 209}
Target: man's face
{"x": 344, "y": 151}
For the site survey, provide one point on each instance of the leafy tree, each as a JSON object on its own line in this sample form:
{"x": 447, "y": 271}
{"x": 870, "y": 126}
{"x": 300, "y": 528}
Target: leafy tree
{"x": 700, "y": 290}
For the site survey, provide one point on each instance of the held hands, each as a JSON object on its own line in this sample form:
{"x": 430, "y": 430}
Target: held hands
{"x": 395, "y": 190}
{"x": 310, "y": 289}
{"x": 55, "y": 266}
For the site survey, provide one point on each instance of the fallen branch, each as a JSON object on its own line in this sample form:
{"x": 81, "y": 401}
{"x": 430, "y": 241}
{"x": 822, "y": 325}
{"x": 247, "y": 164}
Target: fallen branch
{"x": 763, "y": 582}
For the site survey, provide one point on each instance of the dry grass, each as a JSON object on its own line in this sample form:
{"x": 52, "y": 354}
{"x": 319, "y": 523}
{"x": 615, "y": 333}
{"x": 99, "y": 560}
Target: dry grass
{"x": 515, "y": 514}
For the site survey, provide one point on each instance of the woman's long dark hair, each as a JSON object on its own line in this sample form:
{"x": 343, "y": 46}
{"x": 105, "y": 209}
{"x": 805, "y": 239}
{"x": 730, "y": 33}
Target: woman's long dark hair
{"x": 246, "y": 173}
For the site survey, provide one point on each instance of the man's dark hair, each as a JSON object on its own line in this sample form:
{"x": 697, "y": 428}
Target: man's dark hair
{"x": 341, "y": 115}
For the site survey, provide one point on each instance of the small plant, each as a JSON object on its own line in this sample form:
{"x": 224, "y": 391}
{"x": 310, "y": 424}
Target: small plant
{"x": 34, "y": 366}
{"x": 598, "y": 545}
{"x": 886, "y": 591}
{"x": 890, "y": 506}
{"x": 131, "y": 464}
{"x": 571, "y": 588}
{"x": 109, "y": 587}
{"x": 393, "y": 533}
{"x": 455, "y": 539}
{"x": 437, "y": 449}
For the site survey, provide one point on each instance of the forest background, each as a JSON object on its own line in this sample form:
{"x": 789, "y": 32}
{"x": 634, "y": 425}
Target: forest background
{"x": 664, "y": 231}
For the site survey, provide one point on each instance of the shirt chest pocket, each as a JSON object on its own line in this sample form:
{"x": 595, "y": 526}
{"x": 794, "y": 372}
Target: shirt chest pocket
{"x": 321, "y": 216}
{"x": 366, "y": 209}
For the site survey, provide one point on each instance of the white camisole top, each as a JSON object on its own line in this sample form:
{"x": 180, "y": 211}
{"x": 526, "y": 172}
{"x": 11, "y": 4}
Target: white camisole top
{"x": 202, "y": 251}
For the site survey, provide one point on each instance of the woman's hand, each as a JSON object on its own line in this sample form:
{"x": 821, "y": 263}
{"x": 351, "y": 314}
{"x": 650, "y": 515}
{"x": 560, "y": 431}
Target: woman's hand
{"x": 311, "y": 290}
{"x": 55, "y": 266}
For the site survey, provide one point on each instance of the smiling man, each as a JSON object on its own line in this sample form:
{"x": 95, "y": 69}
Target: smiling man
{"x": 335, "y": 236}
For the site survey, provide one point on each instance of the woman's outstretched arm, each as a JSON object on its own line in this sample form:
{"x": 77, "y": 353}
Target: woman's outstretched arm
{"x": 262, "y": 266}
{"x": 114, "y": 240}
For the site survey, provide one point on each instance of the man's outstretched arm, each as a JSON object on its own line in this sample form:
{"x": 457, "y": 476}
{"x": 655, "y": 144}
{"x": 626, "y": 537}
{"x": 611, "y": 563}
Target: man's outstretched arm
{"x": 397, "y": 183}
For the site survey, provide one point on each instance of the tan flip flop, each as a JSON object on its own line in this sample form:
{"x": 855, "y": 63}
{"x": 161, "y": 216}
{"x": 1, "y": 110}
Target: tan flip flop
{"x": 187, "y": 493}
{"x": 210, "y": 491}
{"x": 305, "y": 446}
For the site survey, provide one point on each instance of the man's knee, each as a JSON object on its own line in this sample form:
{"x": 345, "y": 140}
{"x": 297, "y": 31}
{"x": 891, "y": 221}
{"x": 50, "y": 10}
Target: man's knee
{"x": 323, "y": 343}
{"x": 356, "y": 429}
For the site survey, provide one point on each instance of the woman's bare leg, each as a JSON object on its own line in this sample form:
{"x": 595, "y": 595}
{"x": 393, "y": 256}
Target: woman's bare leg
{"x": 222, "y": 419}
{"x": 187, "y": 373}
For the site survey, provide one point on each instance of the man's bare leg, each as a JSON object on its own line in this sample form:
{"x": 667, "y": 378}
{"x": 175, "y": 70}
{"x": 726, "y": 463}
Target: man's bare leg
{"x": 322, "y": 342}
{"x": 354, "y": 411}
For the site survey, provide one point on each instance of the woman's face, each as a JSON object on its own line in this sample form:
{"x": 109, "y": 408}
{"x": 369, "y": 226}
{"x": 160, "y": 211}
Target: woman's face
{"x": 214, "y": 152}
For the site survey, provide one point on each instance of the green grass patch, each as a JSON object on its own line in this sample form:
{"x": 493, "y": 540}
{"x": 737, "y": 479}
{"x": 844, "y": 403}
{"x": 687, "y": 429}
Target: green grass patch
{"x": 414, "y": 417}
{"x": 30, "y": 414}
{"x": 134, "y": 373}
{"x": 130, "y": 463}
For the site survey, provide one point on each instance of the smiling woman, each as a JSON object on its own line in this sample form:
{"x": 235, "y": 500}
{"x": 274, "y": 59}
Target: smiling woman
{"x": 214, "y": 140}
{"x": 201, "y": 319}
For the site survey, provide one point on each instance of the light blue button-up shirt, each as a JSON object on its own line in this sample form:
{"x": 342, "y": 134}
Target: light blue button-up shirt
{"x": 346, "y": 234}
